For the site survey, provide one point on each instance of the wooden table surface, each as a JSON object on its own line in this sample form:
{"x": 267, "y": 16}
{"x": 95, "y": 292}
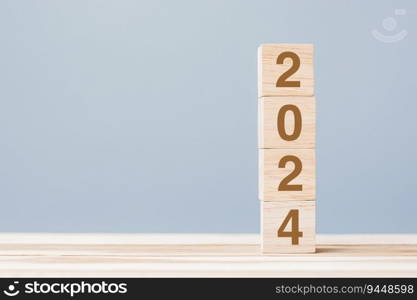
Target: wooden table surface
{"x": 201, "y": 255}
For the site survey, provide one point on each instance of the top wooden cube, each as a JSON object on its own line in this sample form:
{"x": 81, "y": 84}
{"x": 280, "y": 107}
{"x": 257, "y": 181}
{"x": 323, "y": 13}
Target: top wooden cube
{"x": 285, "y": 70}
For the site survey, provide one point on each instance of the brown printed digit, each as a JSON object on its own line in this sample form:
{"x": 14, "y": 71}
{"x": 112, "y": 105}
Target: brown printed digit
{"x": 297, "y": 122}
{"x": 295, "y": 234}
{"x": 282, "y": 80}
{"x": 284, "y": 184}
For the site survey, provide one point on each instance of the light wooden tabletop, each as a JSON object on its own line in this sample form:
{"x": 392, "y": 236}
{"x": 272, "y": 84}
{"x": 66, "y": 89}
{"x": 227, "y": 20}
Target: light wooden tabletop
{"x": 201, "y": 255}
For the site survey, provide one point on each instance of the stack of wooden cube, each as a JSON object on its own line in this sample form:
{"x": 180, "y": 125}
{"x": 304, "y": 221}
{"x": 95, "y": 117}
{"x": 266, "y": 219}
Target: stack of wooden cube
{"x": 287, "y": 125}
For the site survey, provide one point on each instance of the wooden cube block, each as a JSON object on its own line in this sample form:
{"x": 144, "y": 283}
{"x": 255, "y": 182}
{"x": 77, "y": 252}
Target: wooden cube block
{"x": 287, "y": 174}
{"x": 288, "y": 227}
{"x": 285, "y": 70}
{"x": 286, "y": 122}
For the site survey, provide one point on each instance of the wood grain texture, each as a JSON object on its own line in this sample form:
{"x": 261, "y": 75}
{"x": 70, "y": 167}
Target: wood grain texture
{"x": 269, "y": 71}
{"x": 272, "y": 216}
{"x": 201, "y": 255}
{"x": 268, "y": 110}
{"x": 270, "y": 175}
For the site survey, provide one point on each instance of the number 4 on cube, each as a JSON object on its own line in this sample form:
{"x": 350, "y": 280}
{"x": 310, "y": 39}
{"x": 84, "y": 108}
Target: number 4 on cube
{"x": 288, "y": 227}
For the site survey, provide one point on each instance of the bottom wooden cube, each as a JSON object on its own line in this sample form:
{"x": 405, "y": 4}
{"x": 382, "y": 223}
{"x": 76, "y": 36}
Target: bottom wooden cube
{"x": 288, "y": 226}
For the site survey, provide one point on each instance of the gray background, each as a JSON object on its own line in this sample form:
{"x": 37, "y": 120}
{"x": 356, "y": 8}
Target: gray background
{"x": 140, "y": 116}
